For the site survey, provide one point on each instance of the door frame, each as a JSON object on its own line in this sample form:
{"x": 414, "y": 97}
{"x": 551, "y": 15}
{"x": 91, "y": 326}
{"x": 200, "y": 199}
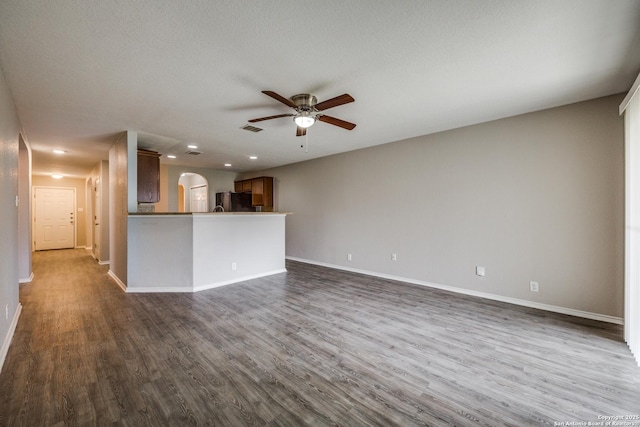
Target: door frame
{"x": 75, "y": 213}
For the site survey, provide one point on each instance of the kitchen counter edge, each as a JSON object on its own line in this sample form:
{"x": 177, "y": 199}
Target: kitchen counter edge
{"x": 207, "y": 213}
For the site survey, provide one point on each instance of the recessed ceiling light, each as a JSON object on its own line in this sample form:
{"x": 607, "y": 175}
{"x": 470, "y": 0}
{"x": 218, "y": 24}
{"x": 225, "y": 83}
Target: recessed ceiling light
{"x": 253, "y": 157}
{"x": 192, "y": 146}
{"x": 228, "y": 165}
{"x": 171, "y": 156}
{"x": 56, "y": 176}
{"x": 58, "y": 151}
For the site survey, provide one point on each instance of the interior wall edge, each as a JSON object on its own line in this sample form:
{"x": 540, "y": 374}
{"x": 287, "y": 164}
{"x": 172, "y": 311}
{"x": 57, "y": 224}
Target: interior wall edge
{"x": 116, "y": 279}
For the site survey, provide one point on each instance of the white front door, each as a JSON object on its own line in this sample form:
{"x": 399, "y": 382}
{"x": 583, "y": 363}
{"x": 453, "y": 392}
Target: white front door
{"x": 54, "y": 218}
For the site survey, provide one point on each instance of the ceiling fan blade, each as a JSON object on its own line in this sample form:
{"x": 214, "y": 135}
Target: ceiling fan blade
{"x": 270, "y": 117}
{"x": 336, "y": 122}
{"x": 334, "y": 102}
{"x": 301, "y": 131}
{"x": 280, "y": 98}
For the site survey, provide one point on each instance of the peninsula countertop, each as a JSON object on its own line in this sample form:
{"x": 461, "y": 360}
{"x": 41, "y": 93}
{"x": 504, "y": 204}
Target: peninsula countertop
{"x": 206, "y": 213}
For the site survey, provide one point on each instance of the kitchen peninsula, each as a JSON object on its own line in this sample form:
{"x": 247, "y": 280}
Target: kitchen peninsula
{"x": 190, "y": 252}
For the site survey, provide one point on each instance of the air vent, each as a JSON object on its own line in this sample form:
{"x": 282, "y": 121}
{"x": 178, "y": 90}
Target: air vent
{"x": 193, "y": 153}
{"x": 251, "y": 128}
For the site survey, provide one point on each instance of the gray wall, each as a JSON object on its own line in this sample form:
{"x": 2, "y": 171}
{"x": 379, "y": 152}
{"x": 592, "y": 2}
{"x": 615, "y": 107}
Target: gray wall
{"x": 9, "y": 131}
{"x": 533, "y": 197}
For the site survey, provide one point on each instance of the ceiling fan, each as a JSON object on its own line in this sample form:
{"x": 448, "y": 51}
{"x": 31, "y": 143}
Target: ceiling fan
{"x": 307, "y": 110}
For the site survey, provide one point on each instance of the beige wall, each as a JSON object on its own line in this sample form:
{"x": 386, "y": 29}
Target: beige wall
{"x": 533, "y": 197}
{"x": 163, "y": 204}
{"x": 81, "y": 209}
{"x": 120, "y": 201}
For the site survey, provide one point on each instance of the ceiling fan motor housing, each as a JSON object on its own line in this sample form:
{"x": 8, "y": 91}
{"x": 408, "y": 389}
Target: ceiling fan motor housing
{"x": 304, "y": 101}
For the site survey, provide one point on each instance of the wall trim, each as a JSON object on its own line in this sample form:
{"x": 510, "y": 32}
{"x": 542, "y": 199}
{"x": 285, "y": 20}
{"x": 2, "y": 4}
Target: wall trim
{"x": 27, "y": 280}
{"x": 194, "y": 289}
{"x": 494, "y": 297}
{"x": 107, "y": 262}
{"x": 9, "y": 337}
{"x": 157, "y": 290}
{"x": 117, "y": 280}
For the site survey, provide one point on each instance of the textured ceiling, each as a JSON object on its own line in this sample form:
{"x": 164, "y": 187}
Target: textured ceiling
{"x": 183, "y": 72}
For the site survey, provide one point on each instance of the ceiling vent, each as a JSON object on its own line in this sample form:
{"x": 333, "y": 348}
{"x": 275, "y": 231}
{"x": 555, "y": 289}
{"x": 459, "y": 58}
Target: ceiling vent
{"x": 193, "y": 153}
{"x": 251, "y": 128}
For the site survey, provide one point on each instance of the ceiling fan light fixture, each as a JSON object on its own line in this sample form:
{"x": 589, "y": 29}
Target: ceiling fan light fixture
{"x": 304, "y": 120}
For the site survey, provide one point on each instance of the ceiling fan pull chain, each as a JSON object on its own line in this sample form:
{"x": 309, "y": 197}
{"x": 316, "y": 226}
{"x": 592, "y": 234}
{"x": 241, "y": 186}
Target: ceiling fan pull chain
{"x": 306, "y": 143}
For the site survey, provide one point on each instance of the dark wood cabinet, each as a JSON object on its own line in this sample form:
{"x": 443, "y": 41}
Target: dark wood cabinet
{"x": 148, "y": 176}
{"x": 257, "y": 192}
{"x": 261, "y": 190}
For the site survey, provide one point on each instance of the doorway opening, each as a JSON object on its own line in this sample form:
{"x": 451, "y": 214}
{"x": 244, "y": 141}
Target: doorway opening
{"x": 193, "y": 193}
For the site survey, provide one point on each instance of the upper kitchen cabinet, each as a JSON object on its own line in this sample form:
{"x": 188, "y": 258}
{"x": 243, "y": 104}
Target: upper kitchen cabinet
{"x": 261, "y": 190}
{"x": 257, "y": 192}
{"x": 148, "y": 176}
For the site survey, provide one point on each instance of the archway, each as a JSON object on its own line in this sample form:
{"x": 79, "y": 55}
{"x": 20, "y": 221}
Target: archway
{"x": 194, "y": 196}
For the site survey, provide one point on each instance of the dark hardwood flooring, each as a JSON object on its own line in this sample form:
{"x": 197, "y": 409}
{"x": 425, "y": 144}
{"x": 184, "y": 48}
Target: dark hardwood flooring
{"x": 313, "y": 346}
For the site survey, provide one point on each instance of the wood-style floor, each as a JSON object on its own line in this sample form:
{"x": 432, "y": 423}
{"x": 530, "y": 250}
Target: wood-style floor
{"x": 313, "y": 346}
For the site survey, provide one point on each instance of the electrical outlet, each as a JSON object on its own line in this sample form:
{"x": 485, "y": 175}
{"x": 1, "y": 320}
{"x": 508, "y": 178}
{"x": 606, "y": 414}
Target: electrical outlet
{"x": 348, "y": 257}
{"x": 534, "y": 286}
{"x": 479, "y": 271}
{"x": 234, "y": 266}
{"x": 394, "y": 257}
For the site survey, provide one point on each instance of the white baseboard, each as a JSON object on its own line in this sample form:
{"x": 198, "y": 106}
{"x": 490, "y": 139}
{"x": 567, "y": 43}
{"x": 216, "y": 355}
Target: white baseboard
{"x": 117, "y": 280}
{"x": 107, "y": 262}
{"x": 7, "y": 339}
{"x": 193, "y": 289}
{"x": 158, "y": 289}
{"x": 88, "y": 248}
{"x": 515, "y": 301}
{"x": 27, "y": 280}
